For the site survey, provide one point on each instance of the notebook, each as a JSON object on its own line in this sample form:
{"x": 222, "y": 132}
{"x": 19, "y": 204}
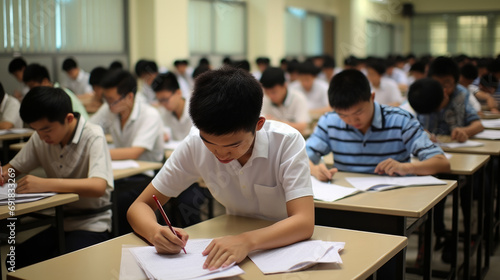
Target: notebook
{"x": 9, "y": 190}
{"x": 124, "y": 164}
{"x": 327, "y": 191}
{"x": 379, "y": 183}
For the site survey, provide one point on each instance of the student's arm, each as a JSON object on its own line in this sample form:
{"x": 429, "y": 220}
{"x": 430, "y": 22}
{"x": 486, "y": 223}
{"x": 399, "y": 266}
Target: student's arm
{"x": 6, "y": 125}
{"x": 462, "y": 134}
{"x": 298, "y": 226}
{"x": 490, "y": 100}
{"x": 433, "y": 165}
{"x": 8, "y": 172}
{"x": 321, "y": 172}
{"x": 126, "y": 153}
{"x": 87, "y": 187}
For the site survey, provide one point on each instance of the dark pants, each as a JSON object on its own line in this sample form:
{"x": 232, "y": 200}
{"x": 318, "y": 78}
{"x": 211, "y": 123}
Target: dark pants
{"x": 44, "y": 245}
{"x": 184, "y": 210}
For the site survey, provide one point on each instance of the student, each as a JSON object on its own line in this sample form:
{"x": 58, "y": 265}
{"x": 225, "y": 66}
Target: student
{"x": 468, "y": 73}
{"x": 75, "y": 157}
{"x": 292, "y": 71}
{"x": 453, "y": 115}
{"x": 416, "y": 72}
{"x": 9, "y": 111}
{"x": 97, "y": 99}
{"x": 16, "y": 69}
{"x": 136, "y": 129}
{"x": 281, "y": 104}
{"x": 262, "y": 64}
{"x": 396, "y": 74}
{"x": 146, "y": 71}
{"x": 116, "y": 65}
{"x": 486, "y": 93}
{"x": 184, "y": 72}
{"x": 315, "y": 90}
{"x": 78, "y": 81}
{"x": 328, "y": 68}
{"x": 386, "y": 90}
{"x": 36, "y": 75}
{"x": 253, "y": 167}
{"x": 368, "y": 137}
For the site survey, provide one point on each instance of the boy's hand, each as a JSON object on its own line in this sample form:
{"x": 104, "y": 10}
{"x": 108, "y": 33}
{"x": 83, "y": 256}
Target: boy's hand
{"x": 31, "y": 184}
{"x": 322, "y": 173}
{"x": 166, "y": 242}
{"x": 393, "y": 167}
{"x": 224, "y": 251}
{"x": 459, "y": 134}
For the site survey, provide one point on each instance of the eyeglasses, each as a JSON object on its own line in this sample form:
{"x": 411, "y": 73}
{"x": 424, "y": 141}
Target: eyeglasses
{"x": 111, "y": 104}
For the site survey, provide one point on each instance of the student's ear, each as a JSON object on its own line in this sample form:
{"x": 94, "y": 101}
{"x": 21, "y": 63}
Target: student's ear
{"x": 70, "y": 117}
{"x": 178, "y": 91}
{"x": 260, "y": 123}
{"x": 372, "y": 98}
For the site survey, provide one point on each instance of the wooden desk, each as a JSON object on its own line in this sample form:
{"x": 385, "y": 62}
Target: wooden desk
{"x": 385, "y": 212}
{"x": 10, "y": 138}
{"x": 143, "y": 166}
{"x": 364, "y": 253}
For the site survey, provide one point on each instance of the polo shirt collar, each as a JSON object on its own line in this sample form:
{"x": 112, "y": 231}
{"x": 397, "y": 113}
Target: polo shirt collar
{"x": 135, "y": 111}
{"x": 261, "y": 145}
{"x": 79, "y": 129}
{"x": 378, "y": 119}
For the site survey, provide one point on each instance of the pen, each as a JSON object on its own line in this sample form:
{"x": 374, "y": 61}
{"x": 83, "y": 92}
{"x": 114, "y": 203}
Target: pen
{"x": 166, "y": 218}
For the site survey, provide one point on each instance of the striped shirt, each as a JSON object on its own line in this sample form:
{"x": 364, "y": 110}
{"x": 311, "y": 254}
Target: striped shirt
{"x": 394, "y": 133}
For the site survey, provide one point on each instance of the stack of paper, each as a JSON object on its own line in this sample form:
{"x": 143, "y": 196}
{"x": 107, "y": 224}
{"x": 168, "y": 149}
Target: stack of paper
{"x": 124, "y": 164}
{"x": 495, "y": 123}
{"x": 330, "y": 192}
{"x": 7, "y": 189}
{"x": 15, "y": 131}
{"x": 180, "y": 266}
{"x": 297, "y": 256}
{"x": 468, "y": 143}
{"x": 488, "y": 134}
{"x": 379, "y": 183}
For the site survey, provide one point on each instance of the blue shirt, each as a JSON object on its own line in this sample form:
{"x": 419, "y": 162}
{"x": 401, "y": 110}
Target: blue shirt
{"x": 457, "y": 113}
{"x": 394, "y": 133}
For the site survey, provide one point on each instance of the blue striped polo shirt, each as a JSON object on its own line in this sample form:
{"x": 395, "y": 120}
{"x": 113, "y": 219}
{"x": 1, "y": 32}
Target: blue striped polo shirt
{"x": 394, "y": 133}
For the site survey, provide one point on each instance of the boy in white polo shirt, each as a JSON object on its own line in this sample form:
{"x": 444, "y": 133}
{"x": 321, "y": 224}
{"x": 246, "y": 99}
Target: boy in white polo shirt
{"x": 75, "y": 157}
{"x": 253, "y": 167}
{"x": 315, "y": 90}
{"x": 9, "y": 111}
{"x": 136, "y": 129}
{"x": 282, "y": 104}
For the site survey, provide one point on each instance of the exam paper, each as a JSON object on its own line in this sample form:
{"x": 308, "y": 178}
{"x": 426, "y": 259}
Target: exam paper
{"x": 378, "y": 183}
{"x": 19, "y": 198}
{"x": 15, "y": 131}
{"x": 495, "y": 123}
{"x": 488, "y": 134}
{"x": 171, "y": 145}
{"x": 297, "y": 256}
{"x": 124, "y": 164}
{"x": 330, "y": 192}
{"x": 468, "y": 143}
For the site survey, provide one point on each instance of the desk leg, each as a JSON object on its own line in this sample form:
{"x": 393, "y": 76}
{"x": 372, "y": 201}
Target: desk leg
{"x": 454, "y": 232}
{"x": 467, "y": 209}
{"x": 495, "y": 223}
{"x": 60, "y": 229}
{"x": 429, "y": 233}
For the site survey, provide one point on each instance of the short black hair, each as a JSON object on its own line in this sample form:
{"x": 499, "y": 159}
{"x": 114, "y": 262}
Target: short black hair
{"x": 444, "y": 66}
{"x": 225, "y": 101}
{"x": 351, "y": 61}
{"x": 425, "y": 95}
{"x": 69, "y": 63}
{"x": 17, "y": 64}
{"x": 167, "y": 81}
{"x": 96, "y": 75}
{"x": 489, "y": 80}
{"x": 348, "y": 88}
{"x": 200, "y": 70}
{"x": 378, "y": 66}
{"x": 242, "y": 64}
{"x": 293, "y": 66}
{"x": 143, "y": 67}
{"x": 35, "y": 72}
{"x": 418, "y": 67}
{"x": 51, "y": 103}
{"x": 227, "y": 60}
{"x": 204, "y": 61}
{"x": 272, "y": 76}
{"x": 180, "y": 62}
{"x": 263, "y": 60}
{"x": 122, "y": 80}
{"x": 494, "y": 66}
{"x": 116, "y": 65}
{"x": 328, "y": 62}
{"x": 308, "y": 68}
{"x": 139, "y": 66}
{"x": 469, "y": 71}
{"x": 2, "y": 92}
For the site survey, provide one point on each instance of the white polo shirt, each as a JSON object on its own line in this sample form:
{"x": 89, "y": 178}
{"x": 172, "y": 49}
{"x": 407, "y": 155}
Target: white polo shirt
{"x": 9, "y": 111}
{"x": 143, "y": 129}
{"x": 387, "y": 92}
{"x": 317, "y": 97}
{"x": 399, "y": 76}
{"x": 277, "y": 172}
{"x": 81, "y": 84}
{"x": 86, "y": 156}
{"x": 292, "y": 109}
{"x": 179, "y": 128}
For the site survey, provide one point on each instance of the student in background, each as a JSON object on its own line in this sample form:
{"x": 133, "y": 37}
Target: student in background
{"x": 146, "y": 71}
{"x": 227, "y": 61}
{"x": 16, "y": 69}
{"x": 315, "y": 90}
{"x": 284, "y": 64}
{"x": 417, "y": 71}
{"x": 396, "y": 74}
{"x": 262, "y": 64}
{"x": 75, "y": 157}
{"x": 242, "y": 64}
{"x": 198, "y": 71}
{"x": 36, "y": 75}
{"x": 174, "y": 111}
{"x": 292, "y": 71}
{"x": 9, "y": 111}
{"x": 78, "y": 81}
{"x": 453, "y": 115}
{"x": 365, "y": 136}
{"x": 282, "y": 104}
{"x": 115, "y": 65}
{"x": 97, "y": 99}
{"x": 137, "y": 133}
{"x": 253, "y": 167}
{"x": 184, "y": 72}
{"x": 486, "y": 93}
{"x": 468, "y": 73}
{"x": 328, "y": 68}
{"x": 204, "y": 62}
{"x": 385, "y": 89}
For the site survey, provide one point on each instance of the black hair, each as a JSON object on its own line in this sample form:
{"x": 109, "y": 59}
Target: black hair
{"x": 35, "y": 72}
{"x": 242, "y": 64}
{"x": 411, "y": 56}
{"x": 122, "y": 80}
{"x": 2, "y": 92}
{"x": 328, "y": 62}
{"x": 348, "y": 88}
{"x": 418, "y": 67}
{"x": 293, "y": 66}
{"x": 200, "y": 70}
{"x": 494, "y": 66}
{"x": 204, "y": 62}
{"x": 51, "y": 103}
{"x": 351, "y": 61}
{"x": 284, "y": 61}
{"x": 17, "y": 64}
{"x": 308, "y": 68}
{"x": 96, "y": 75}
{"x": 143, "y": 67}
{"x": 489, "y": 80}
{"x": 262, "y": 60}
{"x": 139, "y": 66}
{"x": 425, "y": 95}
{"x": 226, "y": 101}
{"x": 68, "y": 64}
{"x": 180, "y": 62}
{"x": 378, "y": 66}
{"x": 115, "y": 65}
{"x": 167, "y": 81}
{"x": 390, "y": 62}
{"x": 272, "y": 76}
{"x": 444, "y": 66}
{"x": 469, "y": 71}
{"x": 227, "y": 61}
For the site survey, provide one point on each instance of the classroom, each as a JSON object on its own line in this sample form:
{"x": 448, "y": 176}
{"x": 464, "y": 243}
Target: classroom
{"x": 250, "y": 139}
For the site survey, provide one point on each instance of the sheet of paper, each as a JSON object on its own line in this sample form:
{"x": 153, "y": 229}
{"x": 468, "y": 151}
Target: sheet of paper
{"x": 468, "y": 143}
{"x": 489, "y": 134}
{"x": 378, "y": 183}
{"x": 494, "y": 123}
{"x": 180, "y": 266}
{"x": 15, "y": 131}
{"x": 5, "y": 190}
{"x": 330, "y": 192}
{"x": 124, "y": 164}
{"x": 171, "y": 145}
{"x": 297, "y": 256}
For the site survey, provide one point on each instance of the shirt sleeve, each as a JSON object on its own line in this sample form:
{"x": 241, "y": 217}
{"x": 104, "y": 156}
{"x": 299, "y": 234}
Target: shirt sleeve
{"x": 417, "y": 141}
{"x": 470, "y": 114}
{"x": 317, "y": 144}
{"x": 11, "y": 114}
{"x": 151, "y": 126}
{"x": 102, "y": 118}
{"x": 27, "y": 158}
{"x": 100, "y": 163}
{"x": 301, "y": 112}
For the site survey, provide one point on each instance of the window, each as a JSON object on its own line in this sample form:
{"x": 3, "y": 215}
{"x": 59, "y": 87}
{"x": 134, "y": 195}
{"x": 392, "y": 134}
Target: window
{"x": 83, "y": 26}
{"x": 217, "y": 27}
{"x": 380, "y": 38}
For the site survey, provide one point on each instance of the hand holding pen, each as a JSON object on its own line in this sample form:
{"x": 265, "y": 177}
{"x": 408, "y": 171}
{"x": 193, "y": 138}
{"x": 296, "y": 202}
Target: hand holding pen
{"x": 166, "y": 218}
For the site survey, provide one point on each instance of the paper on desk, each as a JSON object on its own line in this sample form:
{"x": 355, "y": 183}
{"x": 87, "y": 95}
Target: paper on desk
{"x": 15, "y": 131}
{"x": 468, "y": 143}
{"x": 297, "y": 256}
{"x": 488, "y": 134}
{"x": 179, "y": 266}
{"x": 495, "y": 123}
{"x": 124, "y": 164}
{"x": 379, "y": 183}
{"x": 19, "y": 198}
{"x": 330, "y": 192}
{"x": 171, "y": 145}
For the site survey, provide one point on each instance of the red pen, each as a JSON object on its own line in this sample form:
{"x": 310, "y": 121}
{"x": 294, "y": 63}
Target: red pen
{"x": 166, "y": 218}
